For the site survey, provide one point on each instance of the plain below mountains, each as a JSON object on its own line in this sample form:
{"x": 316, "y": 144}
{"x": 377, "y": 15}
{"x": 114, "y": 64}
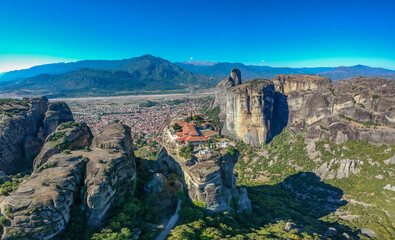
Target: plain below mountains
{"x": 146, "y": 74}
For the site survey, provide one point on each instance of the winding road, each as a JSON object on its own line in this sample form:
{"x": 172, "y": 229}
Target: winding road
{"x": 170, "y": 224}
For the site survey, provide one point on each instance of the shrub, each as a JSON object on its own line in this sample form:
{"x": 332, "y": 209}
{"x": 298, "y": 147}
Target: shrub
{"x": 101, "y": 161}
{"x": 186, "y": 151}
{"x": 49, "y": 165}
{"x": 85, "y": 159}
{"x": 231, "y": 151}
{"x": 64, "y": 144}
{"x": 56, "y": 136}
{"x": 324, "y": 128}
{"x": 4, "y": 221}
{"x": 199, "y": 203}
{"x": 234, "y": 203}
{"x": 66, "y": 151}
{"x": 176, "y": 127}
{"x": 8, "y": 211}
{"x": 191, "y": 214}
{"x": 68, "y": 125}
{"x": 181, "y": 194}
{"x": 8, "y": 187}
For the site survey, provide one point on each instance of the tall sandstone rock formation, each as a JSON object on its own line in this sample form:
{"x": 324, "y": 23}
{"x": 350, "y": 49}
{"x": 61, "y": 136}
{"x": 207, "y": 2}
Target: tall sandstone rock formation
{"x": 66, "y": 173}
{"x": 24, "y": 125}
{"x": 207, "y": 178}
{"x": 246, "y": 109}
{"x": 357, "y": 109}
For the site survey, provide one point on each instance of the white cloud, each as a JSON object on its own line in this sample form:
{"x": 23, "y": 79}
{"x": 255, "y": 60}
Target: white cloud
{"x": 191, "y": 58}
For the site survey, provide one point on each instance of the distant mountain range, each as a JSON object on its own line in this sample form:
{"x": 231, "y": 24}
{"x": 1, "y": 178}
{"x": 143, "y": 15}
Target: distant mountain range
{"x": 357, "y": 70}
{"x": 148, "y": 73}
{"x": 101, "y": 77}
{"x": 221, "y": 70}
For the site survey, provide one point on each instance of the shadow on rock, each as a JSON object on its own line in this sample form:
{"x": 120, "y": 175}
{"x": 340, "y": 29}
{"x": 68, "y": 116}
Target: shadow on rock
{"x": 302, "y": 200}
{"x": 280, "y": 115}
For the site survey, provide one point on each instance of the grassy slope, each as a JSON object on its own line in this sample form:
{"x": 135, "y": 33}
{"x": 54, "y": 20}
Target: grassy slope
{"x": 286, "y": 156}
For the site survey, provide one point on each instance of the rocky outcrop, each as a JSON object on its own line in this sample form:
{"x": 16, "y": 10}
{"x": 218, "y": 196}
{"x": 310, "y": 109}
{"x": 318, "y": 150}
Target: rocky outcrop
{"x": 208, "y": 178}
{"x": 164, "y": 189}
{"x": 64, "y": 172}
{"x": 58, "y": 112}
{"x": 246, "y": 109}
{"x": 110, "y": 172}
{"x": 357, "y": 109}
{"x": 68, "y": 135}
{"x": 24, "y": 125}
{"x": 338, "y": 168}
{"x": 40, "y": 208}
{"x": 289, "y": 83}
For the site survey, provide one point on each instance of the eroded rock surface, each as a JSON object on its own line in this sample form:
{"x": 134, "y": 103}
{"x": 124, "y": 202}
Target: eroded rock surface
{"x": 40, "y": 208}
{"x": 207, "y": 178}
{"x": 357, "y": 109}
{"x": 66, "y": 169}
{"x": 345, "y": 169}
{"x": 70, "y": 135}
{"x": 246, "y": 109}
{"x": 110, "y": 172}
{"x": 24, "y": 125}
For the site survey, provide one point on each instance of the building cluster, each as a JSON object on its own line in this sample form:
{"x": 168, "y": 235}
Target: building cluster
{"x": 190, "y": 134}
{"x": 145, "y": 122}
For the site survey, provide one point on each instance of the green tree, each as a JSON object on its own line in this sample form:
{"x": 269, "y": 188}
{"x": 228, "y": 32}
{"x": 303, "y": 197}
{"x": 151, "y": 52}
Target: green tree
{"x": 176, "y": 127}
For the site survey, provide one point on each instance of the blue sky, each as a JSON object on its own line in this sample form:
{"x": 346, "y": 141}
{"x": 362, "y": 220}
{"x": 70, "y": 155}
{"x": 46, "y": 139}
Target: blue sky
{"x": 275, "y": 33}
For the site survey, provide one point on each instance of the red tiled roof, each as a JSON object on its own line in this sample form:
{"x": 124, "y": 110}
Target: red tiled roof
{"x": 196, "y": 138}
{"x": 189, "y": 133}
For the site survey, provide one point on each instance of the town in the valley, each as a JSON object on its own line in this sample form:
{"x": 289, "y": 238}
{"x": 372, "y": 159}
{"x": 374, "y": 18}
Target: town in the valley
{"x": 147, "y": 116}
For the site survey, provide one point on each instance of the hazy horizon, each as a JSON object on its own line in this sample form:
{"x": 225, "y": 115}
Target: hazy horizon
{"x": 191, "y": 61}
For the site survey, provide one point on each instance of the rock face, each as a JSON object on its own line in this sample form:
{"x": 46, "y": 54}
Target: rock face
{"x": 24, "y": 125}
{"x": 41, "y": 206}
{"x": 345, "y": 169}
{"x": 290, "y": 83}
{"x": 208, "y": 178}
{"x": 246, "y": 109}
{"x": 164, "y": 190}
{"x": 58, "y": 112}
{"x": 70, "y": 135}
{"x": 110, "y": 173}
{"x": 357, "y": 109}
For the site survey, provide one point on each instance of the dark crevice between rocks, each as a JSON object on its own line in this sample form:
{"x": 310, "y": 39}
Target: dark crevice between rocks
{"x": 77, "y": 227}
{"x": 280, "y": 116}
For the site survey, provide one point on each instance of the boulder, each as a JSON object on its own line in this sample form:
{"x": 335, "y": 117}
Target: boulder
{"x": 368, "y": 232}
